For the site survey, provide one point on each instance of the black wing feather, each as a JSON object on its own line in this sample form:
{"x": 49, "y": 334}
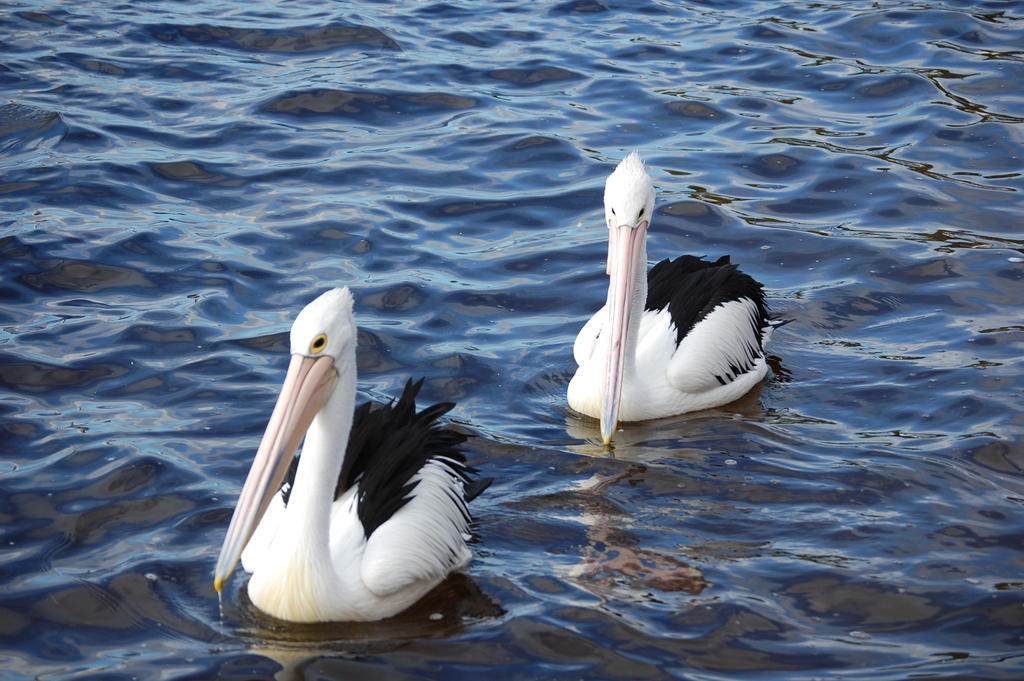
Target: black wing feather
{"x": 387, "y": 445}
{"x": 692, "y": 287}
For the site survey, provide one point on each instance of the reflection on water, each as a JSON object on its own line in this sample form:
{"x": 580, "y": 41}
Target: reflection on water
{"x": 614, "y": 556}
{"x": 177, "y": 180}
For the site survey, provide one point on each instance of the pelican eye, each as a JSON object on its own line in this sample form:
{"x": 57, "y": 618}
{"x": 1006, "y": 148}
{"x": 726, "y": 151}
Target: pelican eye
{"x": 318, "y": 344}
{"x": 641, "y": 213}
{"x": 613, "y": 211}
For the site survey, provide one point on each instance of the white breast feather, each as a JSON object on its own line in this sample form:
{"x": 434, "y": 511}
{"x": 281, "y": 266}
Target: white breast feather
{"x": 586, "y": 339}
{"x": 255, "y": 551}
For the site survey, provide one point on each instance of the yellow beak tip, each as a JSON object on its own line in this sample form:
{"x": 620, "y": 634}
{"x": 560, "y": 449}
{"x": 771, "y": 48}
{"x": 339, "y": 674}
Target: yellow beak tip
{"x": 607, "y": 433}
{"x": 217, "y": 584}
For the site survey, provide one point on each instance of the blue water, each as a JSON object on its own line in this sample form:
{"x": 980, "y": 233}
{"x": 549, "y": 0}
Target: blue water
{"x": 178, "y": 179}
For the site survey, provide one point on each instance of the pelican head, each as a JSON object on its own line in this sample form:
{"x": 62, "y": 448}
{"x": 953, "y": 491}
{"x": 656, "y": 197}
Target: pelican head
{"x": 325, "y": 327}
{"x": 628, "y": 194}
{"x": 323, "y": 340}
{"x": 628, "y": 205}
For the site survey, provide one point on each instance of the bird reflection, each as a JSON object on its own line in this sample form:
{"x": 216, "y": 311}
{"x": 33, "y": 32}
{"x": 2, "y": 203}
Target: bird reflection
{"x": 614, "y": 565}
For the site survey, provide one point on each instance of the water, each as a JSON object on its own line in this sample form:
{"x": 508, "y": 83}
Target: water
{"x": 178, "y": 179}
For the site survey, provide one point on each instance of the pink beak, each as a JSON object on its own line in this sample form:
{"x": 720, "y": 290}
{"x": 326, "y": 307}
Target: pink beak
{"x": 625, "y": 243}
{"x": 307, "y": 386}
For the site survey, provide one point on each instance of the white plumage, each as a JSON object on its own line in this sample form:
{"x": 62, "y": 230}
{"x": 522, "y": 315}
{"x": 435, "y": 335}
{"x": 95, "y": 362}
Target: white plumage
{"x": 688, "y": 335}
{"x": 396, "y": 524}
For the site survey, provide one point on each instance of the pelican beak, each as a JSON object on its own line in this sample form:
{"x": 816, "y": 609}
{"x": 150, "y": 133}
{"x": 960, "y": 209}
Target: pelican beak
{"x": 625, "y": 243}
{"x": 307, "y": 386}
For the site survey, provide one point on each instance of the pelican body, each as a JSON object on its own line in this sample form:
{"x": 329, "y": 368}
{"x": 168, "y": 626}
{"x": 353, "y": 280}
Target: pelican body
{"x": 372, "y": 515}
{"x": 687, "y": 335}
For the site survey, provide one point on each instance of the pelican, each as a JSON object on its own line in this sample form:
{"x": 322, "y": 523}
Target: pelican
{"x": 347, "y": 533}
{"x": 687, "y": 335}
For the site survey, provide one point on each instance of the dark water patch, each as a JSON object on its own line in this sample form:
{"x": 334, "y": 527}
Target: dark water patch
{"x": 531, "y": 75}
{"x": 776, "y": 165}
{"x": 162, "y": 337}
{"x": 74, "y": 529}
{"x": 698, "y": 212}
{"x": 189, "y": 171}
{"x": 764, "y": 33}
{"x": 373, "y": 354}
{"x": 25, "y": 127}
{"x": 698, "y": 111}
{"x": 750, "y": 104}
{"x": 529, "y": 151}
{"x": 579, "y": 7}
{"x": 808, "y": 206}
{"x": 186, "y": 71}
{"x": 984, "y": 148}
{"x": 737, "y": 58}
{"x": 215, "y": 135}
{"x": 495, "y": 37}
{"x": 401, "y": 298}
{"x": 171, "y": 104}
{"x": 276, "y": 343}
{"x": 41, "y": 378}
{"x": 93, "y": 65}
{"x": 145, "y": 247}
{"x": 97, "y": 525}
{"x": 13, "y": 248}
{"x": 448, "y": 210}
{"x": 480, "y": 216}
{"x": 129, "y": 604}
{"x": 367, "y": 106}
{"x": 451, "y": 377}
{"x": 9, "y": 76}
{"x": 485, "y": 303}
{"x": 179, "y": 179}
{"x": 444, "y": 10}
{"x": 997, "y": 456}
{"x": 647, "y": 52}
{"x": 84, "y": 277}
{"x": 893, "y": 88}
{"x": 49, "y": 19}
{"x": 292, "y": 40}
{"x": 385, "y": 176}
{"x": 80, "y": 138}
{"x": 471, "y": 39}
{"x": 846, "y": 604}
{"x": 921, "y": 273}
{"x": 39, "y": 189}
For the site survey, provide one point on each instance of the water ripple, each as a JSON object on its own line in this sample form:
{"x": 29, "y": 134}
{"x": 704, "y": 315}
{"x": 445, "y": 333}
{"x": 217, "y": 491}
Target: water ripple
{"x": 177, "y": 180}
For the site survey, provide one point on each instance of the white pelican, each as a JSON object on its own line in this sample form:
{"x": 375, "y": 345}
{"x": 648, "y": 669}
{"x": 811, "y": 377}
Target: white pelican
{"x": 687, "y": 335}
{"x": 364, "y": 530}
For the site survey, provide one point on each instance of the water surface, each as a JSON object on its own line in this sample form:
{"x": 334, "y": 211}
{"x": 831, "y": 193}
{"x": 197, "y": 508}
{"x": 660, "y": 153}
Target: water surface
{"x": 177, "y": 180}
